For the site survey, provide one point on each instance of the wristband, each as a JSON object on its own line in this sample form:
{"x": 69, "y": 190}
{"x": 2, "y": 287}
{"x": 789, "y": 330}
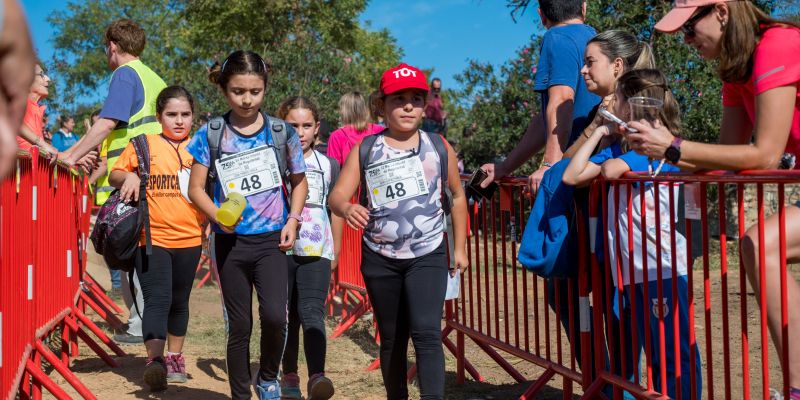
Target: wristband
{"x": 295, "y": 216}
{"x": 547, "y": 164}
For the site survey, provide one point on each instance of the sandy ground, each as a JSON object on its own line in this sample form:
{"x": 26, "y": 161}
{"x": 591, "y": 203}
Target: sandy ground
{"x": 349, "y": 355}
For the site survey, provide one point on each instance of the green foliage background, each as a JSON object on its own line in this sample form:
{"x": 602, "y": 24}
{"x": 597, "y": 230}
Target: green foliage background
{"x": 314, "y": 47}
{"x": 320, "y": 49}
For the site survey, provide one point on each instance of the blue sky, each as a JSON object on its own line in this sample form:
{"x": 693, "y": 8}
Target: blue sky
{"x": 444, "y": 34}
{"x": 439, "y": 34}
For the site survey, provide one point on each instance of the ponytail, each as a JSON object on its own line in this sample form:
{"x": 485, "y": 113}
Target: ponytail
{"x": 615, "y": 43}
{"x": 646, "y": 59}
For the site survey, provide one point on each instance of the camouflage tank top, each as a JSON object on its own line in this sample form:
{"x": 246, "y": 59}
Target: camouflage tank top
{"x": 404, "y": 200}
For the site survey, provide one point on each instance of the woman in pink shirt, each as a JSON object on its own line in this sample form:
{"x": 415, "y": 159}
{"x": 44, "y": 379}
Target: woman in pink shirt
{"x": 354, "y": 115}
{"x": 759, "y": 64}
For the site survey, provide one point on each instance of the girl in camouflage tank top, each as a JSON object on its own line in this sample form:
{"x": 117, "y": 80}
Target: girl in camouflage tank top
{"x": 404, "y": 260}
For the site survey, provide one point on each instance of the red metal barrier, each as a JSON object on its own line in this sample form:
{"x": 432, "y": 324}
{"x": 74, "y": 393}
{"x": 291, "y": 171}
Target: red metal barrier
{"x": 703, "y": 321}
{"x": 504, "y": 308}
{"x": 497, "y": 297}
{"x": 43, "y": 231}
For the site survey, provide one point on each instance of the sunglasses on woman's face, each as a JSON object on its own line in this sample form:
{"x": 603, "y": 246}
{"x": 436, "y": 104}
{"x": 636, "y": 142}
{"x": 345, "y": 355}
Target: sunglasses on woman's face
{"x": 688, "y": 27}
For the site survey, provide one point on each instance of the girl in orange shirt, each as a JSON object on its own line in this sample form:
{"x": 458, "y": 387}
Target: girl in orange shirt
{"x": 175, "y": 225}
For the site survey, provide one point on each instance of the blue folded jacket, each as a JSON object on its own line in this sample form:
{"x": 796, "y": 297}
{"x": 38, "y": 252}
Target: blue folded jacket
{"x": 545, "y": 247}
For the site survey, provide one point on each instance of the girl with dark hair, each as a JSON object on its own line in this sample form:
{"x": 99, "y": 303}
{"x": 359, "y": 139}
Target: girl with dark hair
{"x": 760, "y": 129}
{"x": 313, "y": 257}
{"x": 166, "y": 275}
{"x": 404, "y": 259}
{"x": 613, "y": 161}
{"x": 254, "y": 155}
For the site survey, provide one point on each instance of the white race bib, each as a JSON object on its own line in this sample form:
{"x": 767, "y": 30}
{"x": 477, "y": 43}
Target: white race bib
{"x": 316, "y": 187}
{"x": 249, "y": 172}
{"x": 396, "y": 180}
{"x": 183, "y": 181}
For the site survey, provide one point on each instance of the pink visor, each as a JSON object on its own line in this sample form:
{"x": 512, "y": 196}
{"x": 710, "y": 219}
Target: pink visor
{"x": 681, "y": 12}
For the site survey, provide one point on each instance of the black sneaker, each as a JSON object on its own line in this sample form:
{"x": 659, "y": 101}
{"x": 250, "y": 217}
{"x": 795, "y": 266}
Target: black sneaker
{"x": 155, "y": 374}
{"x": 127, "y": 338}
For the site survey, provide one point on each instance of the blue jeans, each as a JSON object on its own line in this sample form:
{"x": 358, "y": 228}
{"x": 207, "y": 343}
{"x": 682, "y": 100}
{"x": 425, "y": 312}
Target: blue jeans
{"x": 116, "y": 280}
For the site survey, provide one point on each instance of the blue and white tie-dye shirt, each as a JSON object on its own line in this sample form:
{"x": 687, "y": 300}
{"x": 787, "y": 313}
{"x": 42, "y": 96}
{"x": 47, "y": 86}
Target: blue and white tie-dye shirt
{"x": 265, "y": 211}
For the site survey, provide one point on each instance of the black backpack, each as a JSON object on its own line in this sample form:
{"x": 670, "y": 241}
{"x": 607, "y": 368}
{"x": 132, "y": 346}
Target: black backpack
{"x": 119, "y": 225}
{"x": 438, "y": 145}
{"x": 216, "y": 126}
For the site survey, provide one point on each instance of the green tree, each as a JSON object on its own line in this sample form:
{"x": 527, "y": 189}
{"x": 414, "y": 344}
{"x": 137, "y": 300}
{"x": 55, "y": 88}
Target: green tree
{"x": 494, "y": 105}
{"x": 315, "y": 48}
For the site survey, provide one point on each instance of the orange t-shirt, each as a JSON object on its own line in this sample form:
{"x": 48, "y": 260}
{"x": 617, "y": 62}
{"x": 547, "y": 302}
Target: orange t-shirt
{"x": 174, "y": 222}
{"x": 34, "y": 120}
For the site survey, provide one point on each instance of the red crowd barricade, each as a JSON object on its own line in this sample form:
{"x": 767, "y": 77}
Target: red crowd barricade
{"x": 503, "y": 308}
{"x": 693, "y": 331}
{"x": 704, "y": 335}
{"x": 44, "y": 225}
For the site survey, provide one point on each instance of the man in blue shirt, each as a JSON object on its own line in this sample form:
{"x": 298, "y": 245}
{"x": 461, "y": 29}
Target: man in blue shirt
{"x": 65, "y": 138}
{"x": 566, "y": 104}
{"x": 565, "y": 101}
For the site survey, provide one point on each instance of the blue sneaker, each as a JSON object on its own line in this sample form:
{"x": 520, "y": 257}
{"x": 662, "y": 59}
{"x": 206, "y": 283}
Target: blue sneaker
{"x": 269, "y": 390}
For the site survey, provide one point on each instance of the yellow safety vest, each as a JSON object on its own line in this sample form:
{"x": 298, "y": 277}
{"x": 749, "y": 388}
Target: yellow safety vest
{"x": 142, "y": 122}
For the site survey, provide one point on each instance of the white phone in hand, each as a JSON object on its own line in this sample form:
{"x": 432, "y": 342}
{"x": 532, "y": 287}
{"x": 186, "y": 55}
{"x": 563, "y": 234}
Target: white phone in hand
{"x": 613, "y": 118}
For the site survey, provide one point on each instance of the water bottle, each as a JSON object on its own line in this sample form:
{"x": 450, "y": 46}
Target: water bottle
{"x": 230, "y": 210}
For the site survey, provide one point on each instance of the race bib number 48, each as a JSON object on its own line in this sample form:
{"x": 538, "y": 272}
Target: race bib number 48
{"x": 396, "y": 180}
{"x": 249, "y": 172}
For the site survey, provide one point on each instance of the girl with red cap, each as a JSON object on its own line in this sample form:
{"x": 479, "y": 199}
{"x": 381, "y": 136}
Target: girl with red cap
{"x": 758, "y": 64}
{"x": 402, "y": 213}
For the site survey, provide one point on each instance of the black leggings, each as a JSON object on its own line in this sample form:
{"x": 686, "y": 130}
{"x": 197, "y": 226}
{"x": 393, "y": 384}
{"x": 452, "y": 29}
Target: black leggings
{"x": 407, "y": 297}
{"x": 166, "y": 278}
{"x": 245, "y": 262}
{"x": 309, "y": 278}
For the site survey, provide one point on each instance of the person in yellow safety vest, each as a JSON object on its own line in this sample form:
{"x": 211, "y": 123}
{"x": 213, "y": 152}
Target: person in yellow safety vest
{"x": 103, "y": 189}
{"x": 129, "y": 108}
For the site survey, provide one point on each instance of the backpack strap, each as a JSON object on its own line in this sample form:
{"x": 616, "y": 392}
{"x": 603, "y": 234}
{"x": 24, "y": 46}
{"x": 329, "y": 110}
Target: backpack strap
{"x": 216, "y": 127}
{"x": 280, "y": 132}
{"x": 335, "y": 170}
{"x": 438, "y": 142}
{"x": 278, "y": 129}
{"x": 363, "y": 158}
{"x": 142, "y": 149}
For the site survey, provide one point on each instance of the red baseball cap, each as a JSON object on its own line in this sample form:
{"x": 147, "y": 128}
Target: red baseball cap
{"x": 681, "y": 12}
{"x": 403, "y": 77}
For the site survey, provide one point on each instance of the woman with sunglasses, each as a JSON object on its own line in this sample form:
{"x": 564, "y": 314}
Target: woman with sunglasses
{"x": 31, "y": 132}
{"x": 758, "y": 64}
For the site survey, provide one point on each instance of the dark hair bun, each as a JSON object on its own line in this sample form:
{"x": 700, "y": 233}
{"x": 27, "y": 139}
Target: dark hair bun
{"x": 214, "y": 73}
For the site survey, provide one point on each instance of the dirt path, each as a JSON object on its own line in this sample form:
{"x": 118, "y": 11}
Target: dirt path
{"x": 347, "y": 358}
{"x": 349, "y": 355}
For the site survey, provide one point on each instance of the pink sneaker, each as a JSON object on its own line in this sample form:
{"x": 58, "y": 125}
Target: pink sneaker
{"x": 319, "y": 387}
{"x": 176, "y": 368}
